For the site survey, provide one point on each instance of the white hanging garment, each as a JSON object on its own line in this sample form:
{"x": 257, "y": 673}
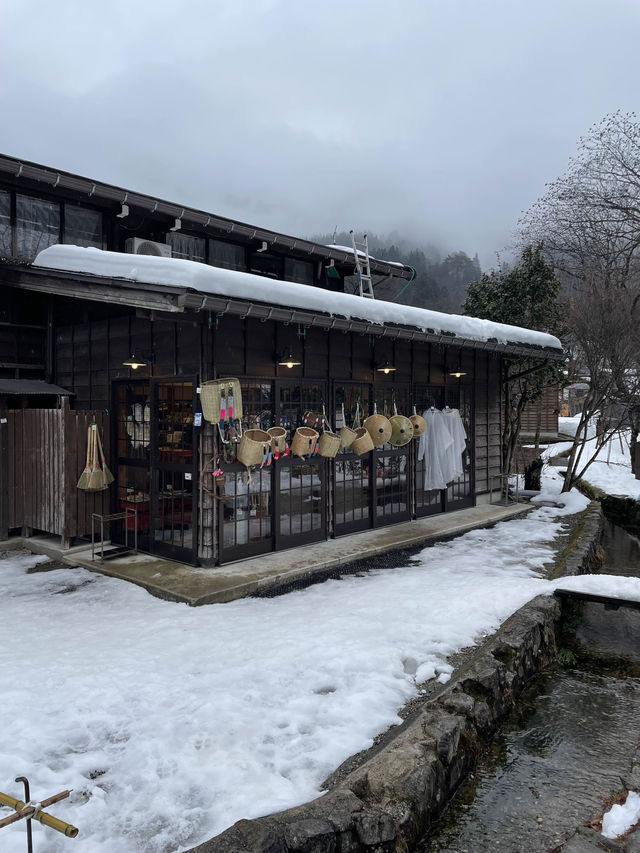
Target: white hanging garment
{"x": 458, "y": 434}
{"x": 434, "y": 444}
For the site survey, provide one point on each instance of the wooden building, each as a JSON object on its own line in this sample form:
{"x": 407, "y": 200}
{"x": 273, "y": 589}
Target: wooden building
{"x": 207, "y": 297}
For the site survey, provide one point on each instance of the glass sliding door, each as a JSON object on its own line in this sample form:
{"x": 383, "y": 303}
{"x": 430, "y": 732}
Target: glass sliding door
{"x": 301, "y": 497}
{"x": 352, "y": 500}
{"x": 173, "y": 471}
{"x": 157, "y": 466}
{"x": 392, "y": 465}
{"x": 245, "y": 505}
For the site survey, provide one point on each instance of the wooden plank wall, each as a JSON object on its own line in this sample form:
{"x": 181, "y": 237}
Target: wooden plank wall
{"x": 35, "y": 469}
{"x": 488, "y": 421}
{"x": 80, "y": 504}
{"x": 47, "y": 453}
{"x": 544, "y": 412}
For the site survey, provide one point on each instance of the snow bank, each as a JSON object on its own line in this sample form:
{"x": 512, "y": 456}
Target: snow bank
{"x": 620, "y": 818}
{"x": 170, "y": 722}
{"x": 611, "y": 471}
{"x": 241, "y": 285}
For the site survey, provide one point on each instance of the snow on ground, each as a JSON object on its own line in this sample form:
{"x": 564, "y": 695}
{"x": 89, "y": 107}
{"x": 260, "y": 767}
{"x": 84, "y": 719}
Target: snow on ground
{"x": 611, "y": 471}
{"x": 620, "y": 818}
{"x": 170, "y": 723}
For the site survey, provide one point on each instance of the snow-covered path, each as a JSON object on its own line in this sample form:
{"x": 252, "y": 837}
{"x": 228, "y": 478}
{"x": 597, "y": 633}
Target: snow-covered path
{"x": 171, "y": 722}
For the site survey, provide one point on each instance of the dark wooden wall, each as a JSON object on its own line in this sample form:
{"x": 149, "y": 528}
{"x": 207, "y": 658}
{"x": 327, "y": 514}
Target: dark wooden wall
{"x": 488, "y": 420}
{"x": 88, "y": 357}
{"x": 47, "y": 454}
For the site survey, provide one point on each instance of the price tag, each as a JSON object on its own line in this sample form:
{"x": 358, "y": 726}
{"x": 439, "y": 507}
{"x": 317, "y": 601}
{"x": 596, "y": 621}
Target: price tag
{"x": 187, "y": 476}
{"x": 197, "y": 419}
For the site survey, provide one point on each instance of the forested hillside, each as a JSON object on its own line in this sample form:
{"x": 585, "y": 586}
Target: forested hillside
{"x": 440, "y": 283}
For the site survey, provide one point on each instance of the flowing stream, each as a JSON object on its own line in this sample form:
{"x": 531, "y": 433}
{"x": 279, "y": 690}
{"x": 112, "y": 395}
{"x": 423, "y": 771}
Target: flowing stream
{"x": 561, "y": 756}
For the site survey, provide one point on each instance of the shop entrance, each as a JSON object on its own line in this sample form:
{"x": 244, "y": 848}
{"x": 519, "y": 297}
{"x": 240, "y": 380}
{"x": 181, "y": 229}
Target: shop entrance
{"x": 156, "y": 464}
{"x": 283, "y": 503}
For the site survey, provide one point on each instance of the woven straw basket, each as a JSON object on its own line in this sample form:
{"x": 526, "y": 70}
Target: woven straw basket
{"x": 347, "y": 436}
{"x": 401, "y": 430}
{"x": 211, "y": 398}
{"x": 329, "y": 444}
{"x": 278, "y": 438}
{"x": 362, "y": 443}
{"x": 253, "y": 446}
{"x": 419, "y": 424}
{"x": 378, "y": 428}
{"x": 304, "y": 441}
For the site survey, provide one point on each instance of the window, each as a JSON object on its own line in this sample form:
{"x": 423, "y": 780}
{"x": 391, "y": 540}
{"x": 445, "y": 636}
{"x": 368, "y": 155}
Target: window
{"x": 227, "y": 255}
{"x": 187, "y": 247}
{"x": 5, "y": 224}
{"x": 265, "y": 264}
{"x": 82, "y": 227}
{"x": 300, "y": 271}
{"x": 38, "y": 225}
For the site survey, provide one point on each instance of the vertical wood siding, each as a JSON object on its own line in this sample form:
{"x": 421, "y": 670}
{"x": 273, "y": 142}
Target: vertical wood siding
{"x": 47, "y": 452}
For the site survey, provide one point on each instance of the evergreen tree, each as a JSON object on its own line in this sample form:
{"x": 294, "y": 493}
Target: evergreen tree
{"x": 526, "y": 295}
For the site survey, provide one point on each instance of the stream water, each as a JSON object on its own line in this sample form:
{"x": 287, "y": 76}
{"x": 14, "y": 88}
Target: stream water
{"x": 563, "y": 753}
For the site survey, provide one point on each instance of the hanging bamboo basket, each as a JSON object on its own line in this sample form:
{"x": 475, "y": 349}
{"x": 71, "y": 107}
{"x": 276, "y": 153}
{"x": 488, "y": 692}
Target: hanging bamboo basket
{"x": 347, "y": 436}
{"x": 304, "y": 442}
{"x": 363, "y": 442}
{"x": 328, "y": 444}
{"x": 401, "y": 430}
{"x": 419, "y": 424}
{"x": 278, "y": 439}
{"x": 212, "y": 394}
{"x": 378, "y": 428}
{"x": 254, "y": 446}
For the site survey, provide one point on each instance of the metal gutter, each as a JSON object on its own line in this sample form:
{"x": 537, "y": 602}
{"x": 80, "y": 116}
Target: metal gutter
{"x": 221, "y": 305}
{"x": 54, "y": 178}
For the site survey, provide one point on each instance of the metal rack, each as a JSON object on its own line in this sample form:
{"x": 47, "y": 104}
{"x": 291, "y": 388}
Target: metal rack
{"x": 116, "y": 550}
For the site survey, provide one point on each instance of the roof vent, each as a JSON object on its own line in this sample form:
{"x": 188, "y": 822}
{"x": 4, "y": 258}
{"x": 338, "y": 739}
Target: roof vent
{"x": 140, "y": 246}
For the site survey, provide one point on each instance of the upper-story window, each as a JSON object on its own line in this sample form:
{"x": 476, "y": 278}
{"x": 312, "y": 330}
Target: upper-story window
{"x": 5, "y": 223}
{"x": 300, "y": 271}
{"x": 187, "y": 247}
{"x": 230, "y": 256}
{"x": 37, "y": 225}
{"x": 266, "y": 264}
{"x": 82, "y": 226}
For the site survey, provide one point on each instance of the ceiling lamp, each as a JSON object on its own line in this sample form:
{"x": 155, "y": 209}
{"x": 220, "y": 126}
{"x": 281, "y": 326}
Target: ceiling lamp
{"x": 134, "y": 362}
{"x": 289, "y": 361}
{"x": 386, "y": 368}
{"x": 458, "y": 373}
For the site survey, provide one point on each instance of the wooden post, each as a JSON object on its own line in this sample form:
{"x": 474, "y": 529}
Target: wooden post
{"x": 4, "y": 470}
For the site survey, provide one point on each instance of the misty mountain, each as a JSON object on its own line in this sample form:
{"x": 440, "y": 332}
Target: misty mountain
{"x": 440, "y": 283}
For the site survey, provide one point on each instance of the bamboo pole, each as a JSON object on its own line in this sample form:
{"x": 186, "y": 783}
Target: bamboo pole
{"x": 25, "y": 811}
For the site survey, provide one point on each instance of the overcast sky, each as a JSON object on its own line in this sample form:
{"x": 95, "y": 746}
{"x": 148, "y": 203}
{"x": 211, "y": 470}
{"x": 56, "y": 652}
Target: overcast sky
{"x": 438, "y": 119}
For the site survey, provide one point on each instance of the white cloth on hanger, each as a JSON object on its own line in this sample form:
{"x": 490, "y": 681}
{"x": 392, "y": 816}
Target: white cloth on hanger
{"x": 453, "y": 422}
{"x": 433, "y": 447}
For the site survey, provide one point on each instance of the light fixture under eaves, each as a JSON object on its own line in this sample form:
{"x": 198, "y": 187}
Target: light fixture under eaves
{"x": 457, "y": 373}
{"x": 386, "y": 368}
{"x": 289, "y": 361}
{"x": 134, "y": 362}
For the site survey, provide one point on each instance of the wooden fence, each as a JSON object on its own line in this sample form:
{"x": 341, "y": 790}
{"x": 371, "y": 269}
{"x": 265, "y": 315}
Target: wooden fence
{"x": 47, "y": 451}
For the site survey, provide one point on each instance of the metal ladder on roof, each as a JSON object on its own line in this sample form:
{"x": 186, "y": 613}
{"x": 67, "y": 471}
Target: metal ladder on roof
{"x": 363, "y": 266}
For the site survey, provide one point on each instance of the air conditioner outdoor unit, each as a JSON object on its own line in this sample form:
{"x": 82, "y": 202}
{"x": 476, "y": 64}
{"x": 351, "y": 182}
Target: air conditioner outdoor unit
{"x": 140, "y": 246}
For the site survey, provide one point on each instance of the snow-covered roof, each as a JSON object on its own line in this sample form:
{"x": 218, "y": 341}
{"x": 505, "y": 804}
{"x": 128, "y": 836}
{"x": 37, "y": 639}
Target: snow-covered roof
{"x": 205, "y": 279}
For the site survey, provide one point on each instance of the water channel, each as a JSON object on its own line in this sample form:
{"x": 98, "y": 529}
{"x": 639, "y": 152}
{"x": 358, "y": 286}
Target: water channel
{"x": 561, "y": 756}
